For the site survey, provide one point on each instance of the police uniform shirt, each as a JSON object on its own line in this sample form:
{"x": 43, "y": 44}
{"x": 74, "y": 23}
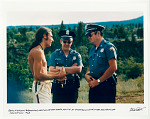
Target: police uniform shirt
{"x": 58, "y": 58}
{"x": 99, "y": 57}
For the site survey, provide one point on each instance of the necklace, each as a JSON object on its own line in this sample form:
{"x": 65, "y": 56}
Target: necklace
{"x": 41, "y": 47}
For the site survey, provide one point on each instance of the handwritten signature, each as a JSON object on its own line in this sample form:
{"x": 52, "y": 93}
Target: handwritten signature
{"x": 137, "y": 109}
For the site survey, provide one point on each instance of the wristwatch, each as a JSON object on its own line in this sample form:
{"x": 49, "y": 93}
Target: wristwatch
{"x": 98, "y": 81}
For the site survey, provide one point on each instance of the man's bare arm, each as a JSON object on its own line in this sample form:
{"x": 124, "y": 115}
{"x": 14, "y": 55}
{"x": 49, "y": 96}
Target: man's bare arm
{"x": 69, "y": 70}
{"x": 109, "y": 72}
{"x": 40, "y": 73}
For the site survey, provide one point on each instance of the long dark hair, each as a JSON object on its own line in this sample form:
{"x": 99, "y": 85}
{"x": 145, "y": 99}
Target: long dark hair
{"x": 39, "y": 35}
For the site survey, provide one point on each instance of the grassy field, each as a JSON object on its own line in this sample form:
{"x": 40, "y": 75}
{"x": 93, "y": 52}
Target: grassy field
{"x": 131, "y": 91}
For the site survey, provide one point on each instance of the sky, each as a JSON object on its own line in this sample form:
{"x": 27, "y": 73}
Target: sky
{"x": 53, "y": 18}
{"x": 52, "y": 12}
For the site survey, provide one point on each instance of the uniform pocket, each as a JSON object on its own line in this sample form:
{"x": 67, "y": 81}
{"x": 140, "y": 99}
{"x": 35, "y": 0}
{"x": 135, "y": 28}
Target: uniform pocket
{"x": 58, "y": 62}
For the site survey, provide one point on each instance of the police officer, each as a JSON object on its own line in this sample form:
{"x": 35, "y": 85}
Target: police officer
{"x": 66, "y": 91}
{"x": 101, "y": 75}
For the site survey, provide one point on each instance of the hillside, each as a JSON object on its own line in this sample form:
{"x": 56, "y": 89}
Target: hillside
{"x": 108, "y": 24}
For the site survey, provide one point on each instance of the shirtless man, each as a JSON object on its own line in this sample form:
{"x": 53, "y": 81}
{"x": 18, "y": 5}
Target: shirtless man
{"x": 42, "y": 79}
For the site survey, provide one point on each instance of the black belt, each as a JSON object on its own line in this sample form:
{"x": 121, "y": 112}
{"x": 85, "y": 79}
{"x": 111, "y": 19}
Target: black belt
{"x": 65, "y": 82}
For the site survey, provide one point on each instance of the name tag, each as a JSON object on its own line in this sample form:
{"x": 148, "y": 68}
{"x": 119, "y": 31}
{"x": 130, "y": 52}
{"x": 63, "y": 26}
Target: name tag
{"x": 57, "y": 59}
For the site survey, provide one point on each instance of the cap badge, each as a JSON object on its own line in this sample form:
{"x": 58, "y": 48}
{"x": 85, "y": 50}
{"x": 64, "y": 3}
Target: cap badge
{"x": 67, "y": 32}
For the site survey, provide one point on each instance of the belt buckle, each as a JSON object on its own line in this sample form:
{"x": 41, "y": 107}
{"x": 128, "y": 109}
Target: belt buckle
{"x": 63, "y": 83}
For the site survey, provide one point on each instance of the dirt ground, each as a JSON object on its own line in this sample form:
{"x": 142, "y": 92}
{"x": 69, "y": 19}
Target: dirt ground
{"x": 131, "y": 99}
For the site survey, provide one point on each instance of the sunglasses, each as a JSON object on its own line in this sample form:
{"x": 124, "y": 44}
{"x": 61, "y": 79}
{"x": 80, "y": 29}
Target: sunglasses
{"x": 64, "y": 41}
{"x": 91, "y": 34}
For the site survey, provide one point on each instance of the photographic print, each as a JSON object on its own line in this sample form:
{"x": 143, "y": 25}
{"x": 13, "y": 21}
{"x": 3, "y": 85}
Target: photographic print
{"x": 75, "y": 59}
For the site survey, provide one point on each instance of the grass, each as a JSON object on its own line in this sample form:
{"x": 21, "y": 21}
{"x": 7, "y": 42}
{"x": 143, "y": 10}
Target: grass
{"x": 131, "y": 91}
{"x": 83, "y": 92}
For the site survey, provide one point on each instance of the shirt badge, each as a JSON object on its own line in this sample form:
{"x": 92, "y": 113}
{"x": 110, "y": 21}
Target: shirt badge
{"x": 102, "y": 50}
{"x": 74, "y": 58}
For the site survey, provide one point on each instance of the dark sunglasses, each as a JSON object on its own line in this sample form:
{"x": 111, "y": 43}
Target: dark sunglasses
{"x": 64, "y": 41}
{"x": 91, "y": 34}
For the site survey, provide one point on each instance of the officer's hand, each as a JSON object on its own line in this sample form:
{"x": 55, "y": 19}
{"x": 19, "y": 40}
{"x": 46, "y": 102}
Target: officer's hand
{"x": 88, "y": 77}
{"x": 58, "y": 68}
{"x": 93, "y": 83}
{"x": 62, "y": 73}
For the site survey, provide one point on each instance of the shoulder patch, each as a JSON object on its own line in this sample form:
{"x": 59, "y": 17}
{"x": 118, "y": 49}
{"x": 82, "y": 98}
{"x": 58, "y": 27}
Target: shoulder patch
{"x": 112, "y": 48}
{"x": 79, "y": 55}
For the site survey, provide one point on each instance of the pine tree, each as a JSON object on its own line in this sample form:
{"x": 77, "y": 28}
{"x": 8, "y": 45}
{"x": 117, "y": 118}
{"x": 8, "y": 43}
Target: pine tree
{"x": 69, "y": 27}
{"x": 80, "y": 34}
{"x": 62, "y": 26}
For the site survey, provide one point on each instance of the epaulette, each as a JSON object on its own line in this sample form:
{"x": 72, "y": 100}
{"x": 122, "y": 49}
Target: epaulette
{"x": 105, "y": 41}
{"x": 73, "y": 51}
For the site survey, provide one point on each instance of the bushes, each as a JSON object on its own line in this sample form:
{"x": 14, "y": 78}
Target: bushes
{"x": 19, "y": 75}
{"x": 130, "y": 68}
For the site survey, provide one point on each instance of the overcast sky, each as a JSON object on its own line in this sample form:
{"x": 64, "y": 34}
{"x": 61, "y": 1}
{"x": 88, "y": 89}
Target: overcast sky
{"x": 48, "y": 12}
{"x": 53, "y": 18}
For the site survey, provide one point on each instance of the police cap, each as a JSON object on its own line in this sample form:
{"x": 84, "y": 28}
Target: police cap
{"x": 67, "y": 35}
{"x": 92, "y": 28}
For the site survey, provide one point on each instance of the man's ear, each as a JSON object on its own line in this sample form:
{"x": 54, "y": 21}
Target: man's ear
{"x": 98, "y": 32}
{"x": 60, "y": 41}
{"x": 44, "y": 36}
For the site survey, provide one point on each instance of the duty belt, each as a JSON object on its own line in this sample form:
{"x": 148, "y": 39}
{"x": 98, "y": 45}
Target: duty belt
{"x": 64, "y": 82}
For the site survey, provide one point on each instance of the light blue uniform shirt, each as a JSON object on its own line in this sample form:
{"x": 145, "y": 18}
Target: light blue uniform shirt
{"x": 58, "y": 58}
{"x": 98, "y": 58}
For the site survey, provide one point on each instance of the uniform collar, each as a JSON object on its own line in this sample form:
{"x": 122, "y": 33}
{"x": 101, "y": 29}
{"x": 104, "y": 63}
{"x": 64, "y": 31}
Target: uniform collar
{"x": 101, "y": 44}
{"x": 71, "y": 51}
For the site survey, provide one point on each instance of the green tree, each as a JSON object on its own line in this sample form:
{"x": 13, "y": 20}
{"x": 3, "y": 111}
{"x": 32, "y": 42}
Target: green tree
{"x": 62, "y": 26}
{"x": 83, "y": 50}
{"x": 69, "y": 27}
{"x": 80, "y": 34}
{"x": 23, "y": 30}
{"x": 133, "y": 38}
{"x": 140, "y": 32}
{"x": 116, "y": 32}
{"x": 121, "y": 32}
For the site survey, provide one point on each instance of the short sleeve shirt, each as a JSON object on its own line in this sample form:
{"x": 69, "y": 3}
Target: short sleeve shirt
{"x": 99, "y": 57}
{"x": 58, "y": 58}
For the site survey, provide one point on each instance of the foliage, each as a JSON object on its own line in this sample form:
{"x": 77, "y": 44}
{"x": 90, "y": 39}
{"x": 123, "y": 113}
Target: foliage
{"x": 130, "y": 68}
{"x": 83, "y": 50}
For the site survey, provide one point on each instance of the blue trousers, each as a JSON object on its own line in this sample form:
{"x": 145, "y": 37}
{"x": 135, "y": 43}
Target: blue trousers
{"x": 105, "y": 92}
